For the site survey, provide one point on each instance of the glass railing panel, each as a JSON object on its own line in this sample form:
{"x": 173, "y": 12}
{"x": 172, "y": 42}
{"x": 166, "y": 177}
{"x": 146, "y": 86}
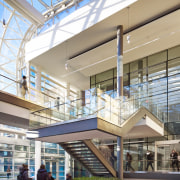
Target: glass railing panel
{"x": 12, "y": 86}
{"x": 96, "y": 103}
{"x": 99, "y": 104}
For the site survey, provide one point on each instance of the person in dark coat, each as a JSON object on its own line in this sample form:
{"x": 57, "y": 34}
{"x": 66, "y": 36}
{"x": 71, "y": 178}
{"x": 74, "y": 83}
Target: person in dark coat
{"x": 42, "y": 173}
{"x": 50, "y": 176}
{"x": 149, "y": 157}
{"x": 25, "y": 173}
{"x": 174, "y": 159}
{"x": 68, "y": 176}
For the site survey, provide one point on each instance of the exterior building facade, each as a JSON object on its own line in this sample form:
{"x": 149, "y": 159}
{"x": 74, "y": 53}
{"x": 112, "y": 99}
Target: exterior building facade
{"x": 16, "y": 149}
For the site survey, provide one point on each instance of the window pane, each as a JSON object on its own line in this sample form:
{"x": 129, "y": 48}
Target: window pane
{"x": 156, "y": 72}
{"x": 157, "y": 58}
{"x": 174, "y": 52}
{"x": 106, "y": 85}
{"x": 50, "y": 145}
{"x": 174, "y": 67}
{"x": 125, "y": 68}
{"x": 134, "y": 66}
{"x": 104, "y": 76}
{"x": 92, "y": 80}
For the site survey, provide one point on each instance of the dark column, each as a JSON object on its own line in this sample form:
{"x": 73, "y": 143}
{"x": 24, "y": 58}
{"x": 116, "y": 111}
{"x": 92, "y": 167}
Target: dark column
{"x": 120, "y": 97}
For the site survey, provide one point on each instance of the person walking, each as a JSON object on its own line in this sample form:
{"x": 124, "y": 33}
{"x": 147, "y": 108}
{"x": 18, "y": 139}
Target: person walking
{"x": 23, "y": 173}
{"x": 128, "y": 162}
{"x": 149, "y": 157}
{"x": 57, "y": 103}
{"x": 42, "y": 173}
{"x": 8, "y": 172}
{"x": 174, "y": 159}
{"x": 23, "y": 87}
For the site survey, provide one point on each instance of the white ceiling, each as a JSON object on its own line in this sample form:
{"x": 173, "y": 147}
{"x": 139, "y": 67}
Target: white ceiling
{"x": 153, "y": 37}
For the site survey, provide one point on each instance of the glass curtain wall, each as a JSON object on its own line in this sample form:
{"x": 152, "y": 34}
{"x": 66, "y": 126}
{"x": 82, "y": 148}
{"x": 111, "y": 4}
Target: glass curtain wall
{"x": 51, "y": 89}
{"x": 155, "y": 81}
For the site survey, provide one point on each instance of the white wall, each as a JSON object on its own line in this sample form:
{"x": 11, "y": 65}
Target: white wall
{"x": 14, "y": 110}
{"x": 78, "y": 21}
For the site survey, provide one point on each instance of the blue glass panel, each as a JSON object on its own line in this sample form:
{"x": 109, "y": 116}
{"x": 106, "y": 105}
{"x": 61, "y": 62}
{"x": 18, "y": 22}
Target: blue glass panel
{"x": 48, "y": 166}
{"x": 61, "y": 152}
{"x": 61, "y": 178}
{"x": 7, "y": 160}
{"x": 32, "y": 162}
{"x": 32, "y": 174}
{"x": 51, "y": 151}
{"x": 61, "y": 168}
{"x": 32, "y": 73}
{"x": 33, "y": 84}
{"x": 6, "y": 154}
{"x": 32, "y": 168}
{"x": 50, "y": 145}
{"x": 61, "y": 162}
{"x": 61, "y": 173}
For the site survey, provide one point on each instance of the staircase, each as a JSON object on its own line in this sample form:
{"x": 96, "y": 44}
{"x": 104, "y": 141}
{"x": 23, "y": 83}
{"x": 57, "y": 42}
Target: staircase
{"x": 90, "y": 157}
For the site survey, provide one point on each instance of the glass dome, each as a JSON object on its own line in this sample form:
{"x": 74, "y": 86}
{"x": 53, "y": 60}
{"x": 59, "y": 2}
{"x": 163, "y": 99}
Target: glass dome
{"x": 16, "y": 30}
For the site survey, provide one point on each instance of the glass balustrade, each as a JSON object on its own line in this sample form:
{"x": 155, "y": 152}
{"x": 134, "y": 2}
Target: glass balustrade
{"x": 95, "y": 103}
{"x": 12, "y": 86}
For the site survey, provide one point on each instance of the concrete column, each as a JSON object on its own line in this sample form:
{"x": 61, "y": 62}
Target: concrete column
{"x": 155, "y": 157}
{"x": 37, "y": 156}
{"x": 38, "y": 79}
{"x": 120, "y": 157}
{"x": 67, "y": 163}
{"x": 120, "y": 62}
{"x": 67, "y": 100}
{"x": 120, "y": 97}
{"x": 38, "y": 84}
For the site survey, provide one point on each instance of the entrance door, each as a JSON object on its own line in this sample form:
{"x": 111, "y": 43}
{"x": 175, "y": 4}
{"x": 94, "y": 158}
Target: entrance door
{"x": 51, "y": 166}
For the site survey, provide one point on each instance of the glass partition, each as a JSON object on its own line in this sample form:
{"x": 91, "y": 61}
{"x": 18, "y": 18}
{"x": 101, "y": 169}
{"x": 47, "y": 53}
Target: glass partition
{"x": 166, "y": 158}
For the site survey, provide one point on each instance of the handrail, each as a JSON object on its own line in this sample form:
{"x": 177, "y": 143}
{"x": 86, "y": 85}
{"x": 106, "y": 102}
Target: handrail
{"x": 28, "y": 86}
{"x": 9, "y": 78}
{"x": 55, "y": 106}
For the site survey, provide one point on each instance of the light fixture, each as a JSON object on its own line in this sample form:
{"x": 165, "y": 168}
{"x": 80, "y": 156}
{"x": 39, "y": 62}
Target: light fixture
{"x": 128, "y": 38}
{"x": 66, "y": 66}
